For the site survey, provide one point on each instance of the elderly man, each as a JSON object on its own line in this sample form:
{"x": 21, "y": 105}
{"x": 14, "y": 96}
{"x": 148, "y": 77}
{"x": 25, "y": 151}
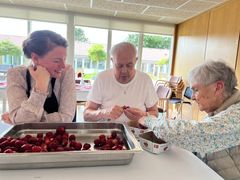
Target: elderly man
{"x": 122, "y": 93}
{"x": 217, "y": 137}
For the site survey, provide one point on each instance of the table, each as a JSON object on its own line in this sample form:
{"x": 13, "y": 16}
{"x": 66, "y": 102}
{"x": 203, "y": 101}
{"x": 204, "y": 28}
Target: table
{"x": 3, "y": 98}
{"x": 82, "y": 92}
{"x": 174, "y": 164}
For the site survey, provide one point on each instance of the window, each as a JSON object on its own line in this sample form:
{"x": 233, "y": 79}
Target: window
{"x": 12, "y": 34}
{"x": 90, "y": 51}
{"x": 156, "y": 55}
{"x": 56, "y": 27}
{"x": 124, "y": 36}
{"x": 120, "y": 36}
{"x": 90, "y": 46}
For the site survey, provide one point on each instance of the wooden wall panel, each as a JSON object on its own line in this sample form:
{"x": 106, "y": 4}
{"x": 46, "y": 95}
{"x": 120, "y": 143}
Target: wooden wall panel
{"x": 214, "y": 34}
{"x": 223, "y": 33}
{"x": 238, "y": 65}
{"x": 191, "y": 44}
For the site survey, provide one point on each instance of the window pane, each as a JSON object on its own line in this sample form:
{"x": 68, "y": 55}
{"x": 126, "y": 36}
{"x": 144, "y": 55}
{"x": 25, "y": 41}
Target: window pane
{"x": 15, "y": 27}
{"x": 120, "y": 36}
{"x": 90, "y": 51}
{"x": 12, "y": 34}
{"x": 156, "y": 55}
{"x": 56, "y": 27}
{"x": 124, "y": 36}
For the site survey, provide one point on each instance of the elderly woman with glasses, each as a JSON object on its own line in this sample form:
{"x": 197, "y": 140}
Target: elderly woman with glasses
{"x": 217, "y": 137}
{"x": 122, "y": 93}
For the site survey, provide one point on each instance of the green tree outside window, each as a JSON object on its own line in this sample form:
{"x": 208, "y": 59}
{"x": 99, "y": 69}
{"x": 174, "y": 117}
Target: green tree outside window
{"x": 151, "y": 41}
{"x": 79, "y": 35}
{"x": 10, "y": 49}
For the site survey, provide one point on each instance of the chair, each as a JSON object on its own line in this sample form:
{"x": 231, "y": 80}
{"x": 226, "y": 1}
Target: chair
{"x": 164, "y": 93}
{"x": 177, "y": 85}
{"x": 180, "y": 101}
{"x": 174, "y": 82}
{"x": 160, "y": 83}
{"x": 87, "y": 81}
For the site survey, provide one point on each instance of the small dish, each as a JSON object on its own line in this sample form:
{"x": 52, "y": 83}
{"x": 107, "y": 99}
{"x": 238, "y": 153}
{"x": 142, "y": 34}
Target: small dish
{"x": 136, "y": 130}
{"x": 152, "y": 144}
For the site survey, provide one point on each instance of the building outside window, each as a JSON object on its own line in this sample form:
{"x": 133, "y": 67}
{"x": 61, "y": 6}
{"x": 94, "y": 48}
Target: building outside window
{"x": 13, "y": 39}
{"x": 90, "y": 47}
{"x": 90, "y": 51}
{"x": 11, "y": 43}
{"x": 156, "y": 55}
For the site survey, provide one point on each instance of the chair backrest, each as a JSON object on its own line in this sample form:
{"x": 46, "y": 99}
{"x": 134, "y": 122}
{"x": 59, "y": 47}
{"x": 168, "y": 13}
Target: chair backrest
{"x": 163, "y": 92}
{"x": 177, "y": 85}
{"x": 175, "y": 80}
{"x": 87, "y": 81}
{"x": 160, "y": 83}
{"x": 188, "y": 93}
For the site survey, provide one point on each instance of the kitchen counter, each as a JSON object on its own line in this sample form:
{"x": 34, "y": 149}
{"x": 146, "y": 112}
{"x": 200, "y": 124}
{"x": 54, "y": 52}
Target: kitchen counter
{"x": 175, "y": 163}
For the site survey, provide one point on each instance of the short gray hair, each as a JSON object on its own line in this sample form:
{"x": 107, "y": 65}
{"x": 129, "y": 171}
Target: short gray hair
{"x": 213, "y": 71}
{"x": 121, "y": 47}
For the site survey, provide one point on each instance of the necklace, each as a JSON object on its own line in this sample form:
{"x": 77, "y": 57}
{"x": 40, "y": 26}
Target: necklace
{"x": 125, "y": 89}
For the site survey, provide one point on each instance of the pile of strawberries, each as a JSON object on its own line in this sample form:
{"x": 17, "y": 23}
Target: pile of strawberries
{"x": 50, "y": 142}
{"x": 112, "y": 142}
{"x": 58, "y": 141}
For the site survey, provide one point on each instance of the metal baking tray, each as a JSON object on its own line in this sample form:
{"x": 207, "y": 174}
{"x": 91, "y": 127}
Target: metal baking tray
{"x": 84, "y": 132}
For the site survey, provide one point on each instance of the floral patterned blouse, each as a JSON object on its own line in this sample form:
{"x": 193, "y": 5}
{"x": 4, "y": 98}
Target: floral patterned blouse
{"x": 214, "y": 133}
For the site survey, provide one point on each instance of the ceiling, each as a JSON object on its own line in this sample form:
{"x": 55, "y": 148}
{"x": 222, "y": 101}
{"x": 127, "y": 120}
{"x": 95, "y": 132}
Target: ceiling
{"x": 165, "y": 11}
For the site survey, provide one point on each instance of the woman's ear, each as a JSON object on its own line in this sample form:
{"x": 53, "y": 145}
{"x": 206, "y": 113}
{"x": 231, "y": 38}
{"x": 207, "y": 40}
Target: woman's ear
{"x": 220, "y": 87}
{"x": 34, "y": 58}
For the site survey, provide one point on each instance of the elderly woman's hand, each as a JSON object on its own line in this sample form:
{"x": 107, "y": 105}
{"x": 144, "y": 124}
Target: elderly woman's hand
{"x": 141, "y": 123}
{"x": 134, "y": 113}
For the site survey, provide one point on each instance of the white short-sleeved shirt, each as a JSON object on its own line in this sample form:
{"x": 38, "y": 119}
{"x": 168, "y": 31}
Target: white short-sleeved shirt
{"x": 138, "y": 93}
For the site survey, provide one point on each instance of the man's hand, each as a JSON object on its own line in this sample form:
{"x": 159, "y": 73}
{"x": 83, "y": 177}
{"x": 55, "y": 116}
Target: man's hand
{"x": 134, "y": 113}
{"x": 93, "y": 112}
{"x": 114, "y": 112}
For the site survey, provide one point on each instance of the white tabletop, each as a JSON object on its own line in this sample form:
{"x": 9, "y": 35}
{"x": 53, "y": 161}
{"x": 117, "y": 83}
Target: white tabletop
{"x": 82, "y": 91}
{"x": 174, "y": 164}
{"x": 81, "y": 95}
{"x": 3, "y": 98}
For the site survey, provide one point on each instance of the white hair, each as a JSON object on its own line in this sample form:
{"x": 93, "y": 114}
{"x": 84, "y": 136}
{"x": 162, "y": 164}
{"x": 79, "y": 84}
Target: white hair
{"x": 121, "y": 47}
{"x": 213, "y": 71}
